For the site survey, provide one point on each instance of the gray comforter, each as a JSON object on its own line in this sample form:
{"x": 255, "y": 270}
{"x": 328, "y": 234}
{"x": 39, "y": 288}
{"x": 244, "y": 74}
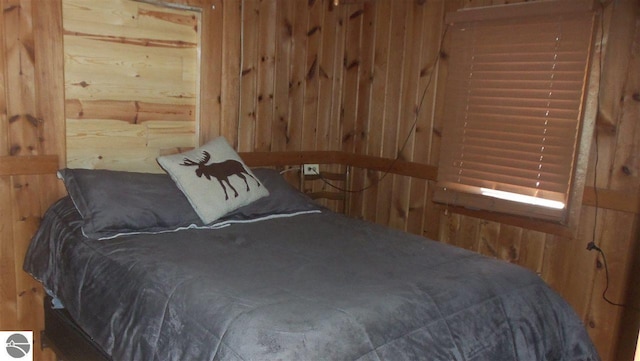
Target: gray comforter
{"x": 312, "y": 287}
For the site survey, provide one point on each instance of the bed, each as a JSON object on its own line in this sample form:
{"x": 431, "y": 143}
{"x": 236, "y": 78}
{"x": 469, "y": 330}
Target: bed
{"x": 131, "y": 268}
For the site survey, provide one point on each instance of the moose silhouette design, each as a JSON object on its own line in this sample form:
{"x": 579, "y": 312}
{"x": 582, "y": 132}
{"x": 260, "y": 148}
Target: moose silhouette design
{"x": 220, "y": 171}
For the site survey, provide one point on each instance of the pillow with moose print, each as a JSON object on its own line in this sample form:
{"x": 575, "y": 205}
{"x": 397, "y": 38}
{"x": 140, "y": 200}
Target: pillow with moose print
{"x": 214, "y": 179}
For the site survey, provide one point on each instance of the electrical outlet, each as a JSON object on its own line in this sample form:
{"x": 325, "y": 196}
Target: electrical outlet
{"x": 311, "y": 169}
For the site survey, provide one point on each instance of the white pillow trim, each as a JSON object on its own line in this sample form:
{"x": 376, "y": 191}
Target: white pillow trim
{"x": 267, "y": 217}
{"x": 219, "y": 225}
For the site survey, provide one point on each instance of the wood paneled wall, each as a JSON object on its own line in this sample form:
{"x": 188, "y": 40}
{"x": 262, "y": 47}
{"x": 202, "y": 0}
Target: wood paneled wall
{"x": 289, "y": 75}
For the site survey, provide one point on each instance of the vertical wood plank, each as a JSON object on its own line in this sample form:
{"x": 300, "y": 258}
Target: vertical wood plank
{"x": 627, "y": 343}
{"x": 393, "y": 90}
{"x": 449, "y": 228}
{"x": 365, "y": 79}
{"x": 284, "y": 47}
{"x": 24, "y": 128}
{"x": 352, "y": 63}
{"x": 211, "y": 54}
{"x": 231, "y": 49}
{"x": 335, "y": 128}
{"x": 266, "y": 74}
{"x": 553, "y": 269}
{"x": 626, "y": 175}
{"x": 248, "y": 75}
{"x": 622, "y": 94}
{"x": 532, "y": 250}
{"x": 604, "y": 318}
{"x": 297, "y": 82}
{"x": 378, "y": 104}
{"x": 26, "y": 218}
{"x": 326, "y": 74}
{"x": 509, "y": 242}
{"x": 310, "y": 110}
{"x": 582, "y": 270}
{"x": 362, "y": 123}
{"x": 423, "y": 214}
{"x": 4, "y": 118}
{"x": 413, "y": 44}
{"x": 8, "y": 308}
{"x": 619, "y": 43}
{"x": 49, "y": 78}
{"x": 434, "y": 213}
{"x": 338, "y": 75}
{"x": 49, "y": 85}
{"x": 311, "y": 79}
{"x": 488, "y": 238}
{"x": 325, "y": 86}
{"x": 467, "y": 237}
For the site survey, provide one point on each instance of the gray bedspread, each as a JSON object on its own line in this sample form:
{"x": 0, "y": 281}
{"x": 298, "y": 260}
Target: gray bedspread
{"x": 312, "y": 287}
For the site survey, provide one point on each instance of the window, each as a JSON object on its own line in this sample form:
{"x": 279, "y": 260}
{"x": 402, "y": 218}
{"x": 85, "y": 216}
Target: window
{"x": 514, "y": 104}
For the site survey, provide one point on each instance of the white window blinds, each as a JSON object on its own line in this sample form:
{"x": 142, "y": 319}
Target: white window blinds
{"x": 514, "y": 103}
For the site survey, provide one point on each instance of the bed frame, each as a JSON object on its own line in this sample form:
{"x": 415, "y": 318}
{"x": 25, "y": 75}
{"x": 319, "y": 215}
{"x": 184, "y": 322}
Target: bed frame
{"x": 66, "y": 338}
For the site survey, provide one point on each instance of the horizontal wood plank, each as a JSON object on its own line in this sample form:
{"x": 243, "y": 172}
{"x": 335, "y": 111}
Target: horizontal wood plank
{"x": 256, "y": 159}
{"x": 611, "y": 199}
{"x": 334, "y": 176}
{"x": 336, "y": 196}
{"x": 394, "y": 166}
{"x": 28, "y": 165}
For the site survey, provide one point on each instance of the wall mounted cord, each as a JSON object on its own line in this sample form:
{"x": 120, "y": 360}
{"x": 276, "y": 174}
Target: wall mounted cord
{"x": 591, "y": 246}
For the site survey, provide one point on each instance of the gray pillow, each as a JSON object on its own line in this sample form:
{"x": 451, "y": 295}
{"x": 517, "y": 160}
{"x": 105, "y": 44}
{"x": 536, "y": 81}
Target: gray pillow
{"x": 114, "y": 202}
{"x": 283, "y": 199}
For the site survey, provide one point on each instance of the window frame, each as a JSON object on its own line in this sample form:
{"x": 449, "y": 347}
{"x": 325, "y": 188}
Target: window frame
{"x": 521, "y": 213}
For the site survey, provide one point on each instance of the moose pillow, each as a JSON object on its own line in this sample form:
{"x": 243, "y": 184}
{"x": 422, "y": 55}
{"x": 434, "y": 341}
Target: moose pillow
{"x": 214, "y": 179}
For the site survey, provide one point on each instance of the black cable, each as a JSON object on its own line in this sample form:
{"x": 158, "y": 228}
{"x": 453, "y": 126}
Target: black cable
{"x": 406, "y": 140}
{"x": 592, "y": 246}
